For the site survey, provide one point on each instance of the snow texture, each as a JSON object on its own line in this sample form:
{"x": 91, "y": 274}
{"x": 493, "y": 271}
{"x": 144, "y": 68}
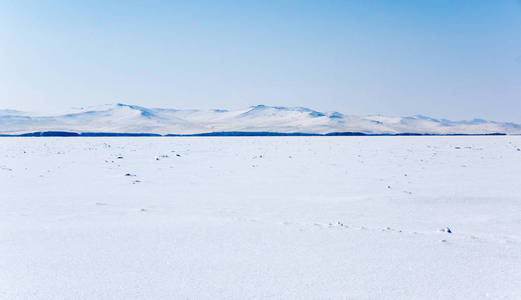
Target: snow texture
{"x": 264, "y": 217}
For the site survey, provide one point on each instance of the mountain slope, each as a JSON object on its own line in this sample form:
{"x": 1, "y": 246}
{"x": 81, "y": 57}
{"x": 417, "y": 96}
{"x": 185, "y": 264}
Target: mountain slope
{"x": 123, "y": 118}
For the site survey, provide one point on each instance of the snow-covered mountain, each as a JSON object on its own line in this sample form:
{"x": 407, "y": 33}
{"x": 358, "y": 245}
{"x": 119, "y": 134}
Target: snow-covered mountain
{"x": 123, "y": 118}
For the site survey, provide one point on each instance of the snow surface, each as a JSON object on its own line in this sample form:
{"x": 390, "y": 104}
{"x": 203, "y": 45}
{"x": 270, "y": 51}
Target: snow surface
{"x": 265, "y": 217}
{"x": 123, "y": 118}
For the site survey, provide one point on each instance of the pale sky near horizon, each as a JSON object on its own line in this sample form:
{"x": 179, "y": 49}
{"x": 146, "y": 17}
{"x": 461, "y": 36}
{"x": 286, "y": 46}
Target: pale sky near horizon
{"x": 446, "y": 59}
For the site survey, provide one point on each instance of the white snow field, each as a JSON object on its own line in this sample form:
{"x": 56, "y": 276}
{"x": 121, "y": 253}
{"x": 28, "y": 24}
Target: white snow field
{"x": 260, "y": 217}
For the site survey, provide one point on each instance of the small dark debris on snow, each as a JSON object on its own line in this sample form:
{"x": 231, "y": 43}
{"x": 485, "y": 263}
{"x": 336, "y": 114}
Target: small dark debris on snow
{"x": 130, "y": 175}
{"x": 178, "y": 155}
{"x": 120, "y": 157}
{"x": 447, "y": 229}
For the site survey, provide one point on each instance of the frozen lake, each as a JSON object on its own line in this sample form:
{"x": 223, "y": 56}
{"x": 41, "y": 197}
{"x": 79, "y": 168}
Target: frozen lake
{"x": 260, "y": 217}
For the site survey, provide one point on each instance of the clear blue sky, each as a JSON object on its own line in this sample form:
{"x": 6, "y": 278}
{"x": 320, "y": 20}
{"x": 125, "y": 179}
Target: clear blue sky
{"x": 455, "y": 59}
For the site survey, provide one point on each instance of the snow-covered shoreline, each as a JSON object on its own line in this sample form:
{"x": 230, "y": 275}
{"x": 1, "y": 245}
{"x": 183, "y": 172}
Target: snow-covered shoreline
{"x": 123, "y": 118}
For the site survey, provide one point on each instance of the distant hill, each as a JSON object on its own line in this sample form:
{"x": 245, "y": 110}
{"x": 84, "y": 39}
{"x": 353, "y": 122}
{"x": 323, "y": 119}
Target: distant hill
{"x": 123, "y": 119}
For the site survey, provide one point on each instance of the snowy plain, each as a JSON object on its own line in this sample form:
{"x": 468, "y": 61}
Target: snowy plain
{"x": 260, "y": 217}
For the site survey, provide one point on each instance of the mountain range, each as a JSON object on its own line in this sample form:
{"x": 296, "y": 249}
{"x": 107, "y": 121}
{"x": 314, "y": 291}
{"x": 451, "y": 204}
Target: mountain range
{"x": 124, "y": 118}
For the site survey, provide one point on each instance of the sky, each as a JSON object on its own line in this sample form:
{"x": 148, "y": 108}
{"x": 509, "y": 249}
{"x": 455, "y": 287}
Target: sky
{"x": 447, "y": 59}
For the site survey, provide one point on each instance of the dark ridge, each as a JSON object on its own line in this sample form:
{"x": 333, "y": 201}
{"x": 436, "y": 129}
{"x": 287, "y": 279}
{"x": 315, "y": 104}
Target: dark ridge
{"x": 51, "y": 133}
{"x": 477, "y": 134}
{"x": 94, "y": 134}
{"x": 248, "y": 133}
{"x": 348, "y": 133}
{"x": 229, "y": 133}
{"x": 85, "y": 134}
{"x": 409, "y": 134}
